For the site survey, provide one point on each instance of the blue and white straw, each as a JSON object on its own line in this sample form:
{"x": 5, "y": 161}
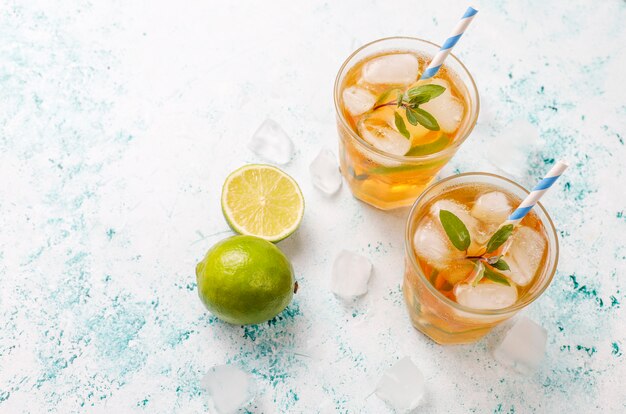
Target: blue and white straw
{"x": 536, "y": 193}
{"x": 447, "y": 46}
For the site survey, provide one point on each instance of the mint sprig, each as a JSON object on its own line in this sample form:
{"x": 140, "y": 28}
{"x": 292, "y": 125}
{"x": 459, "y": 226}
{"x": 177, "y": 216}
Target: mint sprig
{"x": 487, "y": 272}
{"x": 401, "y": 125}
{"x": 410, "y": 102}
{"x": 425, "y": 119}
{"x": 424, "y": 93}
{"x": 500, "y": 264}
{"x": 459, "y": 236}
{"x": 499, "y": 237}
{"x": 495, "y": 276}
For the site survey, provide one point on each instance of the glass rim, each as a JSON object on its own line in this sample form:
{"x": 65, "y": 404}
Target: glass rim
{"x": 408, "y": 243}
{"x": 402, "y": 158}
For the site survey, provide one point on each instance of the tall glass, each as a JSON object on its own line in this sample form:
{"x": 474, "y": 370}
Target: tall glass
{"x": 439, "y": 317}
{"x": 382, "y": 179}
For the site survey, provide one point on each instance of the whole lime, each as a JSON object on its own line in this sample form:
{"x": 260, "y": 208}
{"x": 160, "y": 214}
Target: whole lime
{"x": 245, "y": 280}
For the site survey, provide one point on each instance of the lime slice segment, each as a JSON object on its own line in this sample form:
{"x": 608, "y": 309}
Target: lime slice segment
{"x": 263, "y": 201}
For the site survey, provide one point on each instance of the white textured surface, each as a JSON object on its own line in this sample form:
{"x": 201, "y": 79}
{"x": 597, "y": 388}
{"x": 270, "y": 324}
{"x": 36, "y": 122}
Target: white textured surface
{"x": 120, "y": 120}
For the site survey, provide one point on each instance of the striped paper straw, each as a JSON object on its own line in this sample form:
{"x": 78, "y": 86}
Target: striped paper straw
{"x": 537, "y": 192}
{"x": 447, "y": 46}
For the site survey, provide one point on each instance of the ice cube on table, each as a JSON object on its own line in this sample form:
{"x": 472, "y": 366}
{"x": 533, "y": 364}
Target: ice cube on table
{"x": 523, "y": 346}
{"x": 271, "y": 143}
{"x": 432, "y": 244}
{"x": 229, "y": 388}
{"x": 325, "y": 173}
{"x": 350, "y": 275}
{"x": 396, "y": 69}
{"x": 446, "y": 108}
{"x": 358, "y": 100}
{"x": 485, "y": 295}
{"x": 382, "y": 136}
{"x": 524, "y": 254}
{"x": 492, "y": 208}
{"x": 402, "y": 386}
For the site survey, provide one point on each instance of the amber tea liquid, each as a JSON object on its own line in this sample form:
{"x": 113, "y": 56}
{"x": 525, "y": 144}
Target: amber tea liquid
{"x": 445, "y": 299}
{"x": 381, "y": 166}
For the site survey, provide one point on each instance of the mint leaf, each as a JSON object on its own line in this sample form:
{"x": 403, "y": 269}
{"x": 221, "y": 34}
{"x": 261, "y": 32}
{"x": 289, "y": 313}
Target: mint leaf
{"x": 496, "y": 277}
{"x": 424, "y": 93}
{"x": 426, "y": 119}
{"x": 411, "y": 116}
{"x": 418, "y": 100}
{"x": 479, "y": 270}
{"x": 385, "y": 95}
{"x": 430, "y": 148}
{"x": 499, "y": 237}
{"x": 400, "y": 97}
{"x": 455, "y": 229}
{"x": 401, "y": 125}
{"x": 501, "y": 265}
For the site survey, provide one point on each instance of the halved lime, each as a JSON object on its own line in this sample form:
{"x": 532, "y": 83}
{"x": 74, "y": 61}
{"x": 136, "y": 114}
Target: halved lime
{"x": 263, "y": 201}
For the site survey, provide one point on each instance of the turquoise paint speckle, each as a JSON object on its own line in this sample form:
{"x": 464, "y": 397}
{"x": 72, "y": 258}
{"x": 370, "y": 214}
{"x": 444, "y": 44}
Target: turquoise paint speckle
{"x": 112, "y": 333}
{"x": 615, "y": 349}
{"x": 143, "y": 403}
{"x": 589, "y": 350}
{"x": 111, "y": 233}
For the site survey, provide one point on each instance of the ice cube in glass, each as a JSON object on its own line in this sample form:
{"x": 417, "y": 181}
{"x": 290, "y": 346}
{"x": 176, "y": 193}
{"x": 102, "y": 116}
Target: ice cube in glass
{"x": 396, "y": 68}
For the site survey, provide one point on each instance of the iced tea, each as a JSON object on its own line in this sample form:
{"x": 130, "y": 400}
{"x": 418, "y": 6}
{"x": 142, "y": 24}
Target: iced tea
{"x": 457, "y": 296}
{"x": 385, "y": 163}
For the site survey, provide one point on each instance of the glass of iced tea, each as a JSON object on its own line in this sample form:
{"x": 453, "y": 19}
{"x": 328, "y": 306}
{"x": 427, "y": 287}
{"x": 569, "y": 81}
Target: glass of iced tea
{"x": 387, "y": 161}
{"x": 457, "y": 296}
